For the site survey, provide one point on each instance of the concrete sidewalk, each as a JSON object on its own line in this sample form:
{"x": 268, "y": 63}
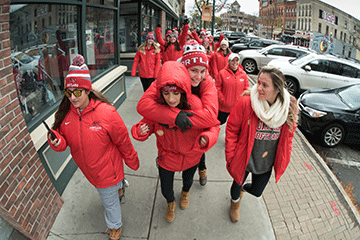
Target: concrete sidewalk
{"x": 307, "y": 203}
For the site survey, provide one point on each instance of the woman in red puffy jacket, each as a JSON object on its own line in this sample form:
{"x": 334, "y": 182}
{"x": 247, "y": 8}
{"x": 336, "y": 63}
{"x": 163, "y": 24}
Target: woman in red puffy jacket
{"x": 231, "y": 83}
{"x": 220, "y": 59}
{"x": 178, "y": 150}
{"x": 259, "y": 135}
{"x": 98, "y": 139}
{"x": 149, "y": 60}
{"x": 202, "y": 85}
{"x": 172, "y": 50}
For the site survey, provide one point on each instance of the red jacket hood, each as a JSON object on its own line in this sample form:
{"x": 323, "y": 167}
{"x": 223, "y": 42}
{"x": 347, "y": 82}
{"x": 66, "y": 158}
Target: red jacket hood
{"x": 174, "y": 73}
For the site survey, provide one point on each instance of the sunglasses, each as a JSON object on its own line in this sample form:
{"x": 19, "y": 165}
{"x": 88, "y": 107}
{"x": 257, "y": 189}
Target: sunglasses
{"x": 76, "y": 92}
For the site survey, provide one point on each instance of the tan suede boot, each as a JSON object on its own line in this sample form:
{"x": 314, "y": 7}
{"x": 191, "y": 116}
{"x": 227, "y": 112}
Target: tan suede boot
{"x": 170, "y": 212}
{"x": 184, "y": 200}
{"x": 235, "y": 208}
{"x": 115, "y": 234}
{"x": 202, "y": 177}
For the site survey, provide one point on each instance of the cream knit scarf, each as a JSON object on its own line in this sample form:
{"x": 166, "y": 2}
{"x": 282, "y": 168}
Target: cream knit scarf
{"x": 273, "y": 116}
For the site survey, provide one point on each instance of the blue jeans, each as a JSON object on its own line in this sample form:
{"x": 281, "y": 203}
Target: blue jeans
{"x": 111, "y": 202}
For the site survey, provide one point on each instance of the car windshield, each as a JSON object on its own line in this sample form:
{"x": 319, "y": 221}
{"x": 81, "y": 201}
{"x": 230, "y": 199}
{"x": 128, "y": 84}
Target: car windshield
{"x": 265, "y": 49}
{"x": 302, "y": 60}
{"x": 351, "y": 96}
{"x": 22, "y": 57}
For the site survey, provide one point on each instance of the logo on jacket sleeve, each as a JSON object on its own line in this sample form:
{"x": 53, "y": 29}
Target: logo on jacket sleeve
{"x": 160, "y": 133}
{"x": 95, "y": 126}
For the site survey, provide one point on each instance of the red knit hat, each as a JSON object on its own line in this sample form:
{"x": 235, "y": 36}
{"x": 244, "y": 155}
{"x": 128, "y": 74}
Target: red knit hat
{"x": 194, "y": 55}
{"x": 150, "y": 36}
{"x": 79, "y": 75}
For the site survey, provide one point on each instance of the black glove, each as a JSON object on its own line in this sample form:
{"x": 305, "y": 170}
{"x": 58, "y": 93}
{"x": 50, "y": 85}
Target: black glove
{"x": 186, "y": 21}
{"x": 165, "y": 125}
{"x": 158, "y": 25}
{"x": 182, "y": 120}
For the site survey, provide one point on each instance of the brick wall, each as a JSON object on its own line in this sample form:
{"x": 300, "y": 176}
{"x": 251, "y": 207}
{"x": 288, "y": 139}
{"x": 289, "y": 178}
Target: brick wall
{"x": 28, "y": 199}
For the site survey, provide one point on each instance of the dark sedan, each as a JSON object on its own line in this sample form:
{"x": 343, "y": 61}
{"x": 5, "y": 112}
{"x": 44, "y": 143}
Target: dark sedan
{"x": 243, "y": 40}
{"x": 256, "y": 44}
{"x": 333, "y": 115}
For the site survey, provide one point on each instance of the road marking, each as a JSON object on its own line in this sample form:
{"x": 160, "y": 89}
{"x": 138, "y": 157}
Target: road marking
{"x": 344, "y": 162}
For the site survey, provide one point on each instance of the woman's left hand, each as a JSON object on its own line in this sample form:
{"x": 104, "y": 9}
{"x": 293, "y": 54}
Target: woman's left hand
{"x": 203, "y": 141}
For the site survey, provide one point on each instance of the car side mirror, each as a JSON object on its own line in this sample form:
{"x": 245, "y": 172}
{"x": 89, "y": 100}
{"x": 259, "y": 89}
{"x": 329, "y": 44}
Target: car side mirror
{"x": 307, "y": 68}
{"x": 265, "y": 53}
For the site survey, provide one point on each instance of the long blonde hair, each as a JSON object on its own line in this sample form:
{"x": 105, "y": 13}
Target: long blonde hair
{"x": 65, "y": 105}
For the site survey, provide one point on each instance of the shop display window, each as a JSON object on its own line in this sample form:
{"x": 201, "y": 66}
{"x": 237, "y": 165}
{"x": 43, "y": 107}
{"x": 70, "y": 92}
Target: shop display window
{"x": 43, "y": 40}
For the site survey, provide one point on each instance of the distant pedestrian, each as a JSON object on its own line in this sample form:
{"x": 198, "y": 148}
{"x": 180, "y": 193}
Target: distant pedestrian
{"x": 231, "y": 83}
{"x": 259, "y": 135}
{"x": 149, "y": 60}
{"x": 221, "y": 56}
{"x": 178, "y": 149}
{"x": 98, "y": 140}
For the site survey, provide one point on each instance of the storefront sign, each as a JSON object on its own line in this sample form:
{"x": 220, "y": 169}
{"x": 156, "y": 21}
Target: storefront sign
{"x": 327, "y": 17}
{"x": 206, "y": 13}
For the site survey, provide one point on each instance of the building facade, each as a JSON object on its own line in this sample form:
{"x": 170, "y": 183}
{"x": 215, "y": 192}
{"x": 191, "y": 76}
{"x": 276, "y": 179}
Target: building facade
{"x": 309, "y": 22}
{"x": 235, "y": 20}
{"x": 37, "y": 44}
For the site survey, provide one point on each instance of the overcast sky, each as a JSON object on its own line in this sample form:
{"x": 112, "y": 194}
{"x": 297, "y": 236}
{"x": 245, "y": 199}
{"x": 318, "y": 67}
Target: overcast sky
{"x": 351, "y": 7}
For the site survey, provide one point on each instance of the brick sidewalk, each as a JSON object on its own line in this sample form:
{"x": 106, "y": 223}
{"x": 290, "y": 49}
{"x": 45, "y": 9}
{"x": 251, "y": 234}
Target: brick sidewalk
{"x": 307, "y": 202}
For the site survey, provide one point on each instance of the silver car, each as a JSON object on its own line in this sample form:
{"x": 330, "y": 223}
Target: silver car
{"x": 253, "y": 60}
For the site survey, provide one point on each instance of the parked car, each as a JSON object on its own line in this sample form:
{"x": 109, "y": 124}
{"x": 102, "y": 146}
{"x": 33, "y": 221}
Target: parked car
{"x": 333, "y": 115}
{"x": 255, "y": 44}
{"x": 254, "y": 60}
{"x": 24, "y": 62}
{"x": 316, "y": 70}
{"x": 217, "y": 35}
{"x": 246, "y": 39}
{"x": 235, "y": 35}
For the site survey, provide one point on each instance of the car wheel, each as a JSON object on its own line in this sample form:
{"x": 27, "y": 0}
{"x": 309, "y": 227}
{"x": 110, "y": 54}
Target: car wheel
{"x": 249, "y": 66}
{"x": 291, "y": 86}
{"x": 332, "y": 135}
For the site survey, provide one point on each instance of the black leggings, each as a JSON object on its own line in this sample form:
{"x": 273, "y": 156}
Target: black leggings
{"x": 256, "y": 187}
{"x": 222, "y": 117}
{"x": 202, "y": 165}
{"x": 167, "y": 182}
{"x": 146, "y": 82}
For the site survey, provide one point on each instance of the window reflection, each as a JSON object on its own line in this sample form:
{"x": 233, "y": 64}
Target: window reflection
{"x": 43, "y": 40}
{"x": 100, "y": 47}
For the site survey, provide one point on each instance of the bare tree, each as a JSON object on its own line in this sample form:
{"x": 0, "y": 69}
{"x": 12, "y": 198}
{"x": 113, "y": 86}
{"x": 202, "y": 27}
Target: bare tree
{"x": 271, "y": 16}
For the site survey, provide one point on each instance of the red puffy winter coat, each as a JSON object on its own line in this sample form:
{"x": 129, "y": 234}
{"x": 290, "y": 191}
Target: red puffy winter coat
{"x": 149, "y": 61}
{"x": 169, "y": 52}
{"x": 98, "y": 141}
{"x": 240, "y": 137}
{"x": 177, "y": 151}
{"x": 206, "y": 117}
{"x": 230, "y": 86}
{"x": 219, "y": 62}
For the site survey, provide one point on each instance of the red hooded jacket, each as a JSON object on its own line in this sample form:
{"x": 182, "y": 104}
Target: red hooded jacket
{"x": 230, "y": 86}
{"x": 177, "y": 151}
{"x": 98, "y": 141}
{"x": 148, "y": 60}
{"x": 170, "y": 53}
{"x": 206, "y": 117}
{"x": 240, "y": 137}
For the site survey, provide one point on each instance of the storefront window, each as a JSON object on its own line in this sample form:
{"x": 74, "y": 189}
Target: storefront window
{"x": 43, "y": 41}
{"x": 100, "y": 49}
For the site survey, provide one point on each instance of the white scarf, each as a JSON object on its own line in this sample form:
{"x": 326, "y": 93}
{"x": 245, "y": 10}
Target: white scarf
{"x": 273, "y": 116}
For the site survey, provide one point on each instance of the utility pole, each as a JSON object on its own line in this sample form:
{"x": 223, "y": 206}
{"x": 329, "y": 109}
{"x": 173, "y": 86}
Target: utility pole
{"x": 213, "y": 19}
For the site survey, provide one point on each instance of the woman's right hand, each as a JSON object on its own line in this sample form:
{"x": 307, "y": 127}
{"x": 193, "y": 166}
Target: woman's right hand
{"x": 55, "y": 142}
{"x": 144, "y": 129}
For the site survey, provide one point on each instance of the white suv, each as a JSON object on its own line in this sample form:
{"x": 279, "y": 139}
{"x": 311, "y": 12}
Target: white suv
{"x": 316, "y": 70}
{"x": 253, "y": 60}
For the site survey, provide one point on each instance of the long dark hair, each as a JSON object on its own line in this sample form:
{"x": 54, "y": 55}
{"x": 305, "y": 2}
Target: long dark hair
{"x": 183, "y": 105}
{"x": 65, "y": 104}
{"x": 177, "y": 45}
